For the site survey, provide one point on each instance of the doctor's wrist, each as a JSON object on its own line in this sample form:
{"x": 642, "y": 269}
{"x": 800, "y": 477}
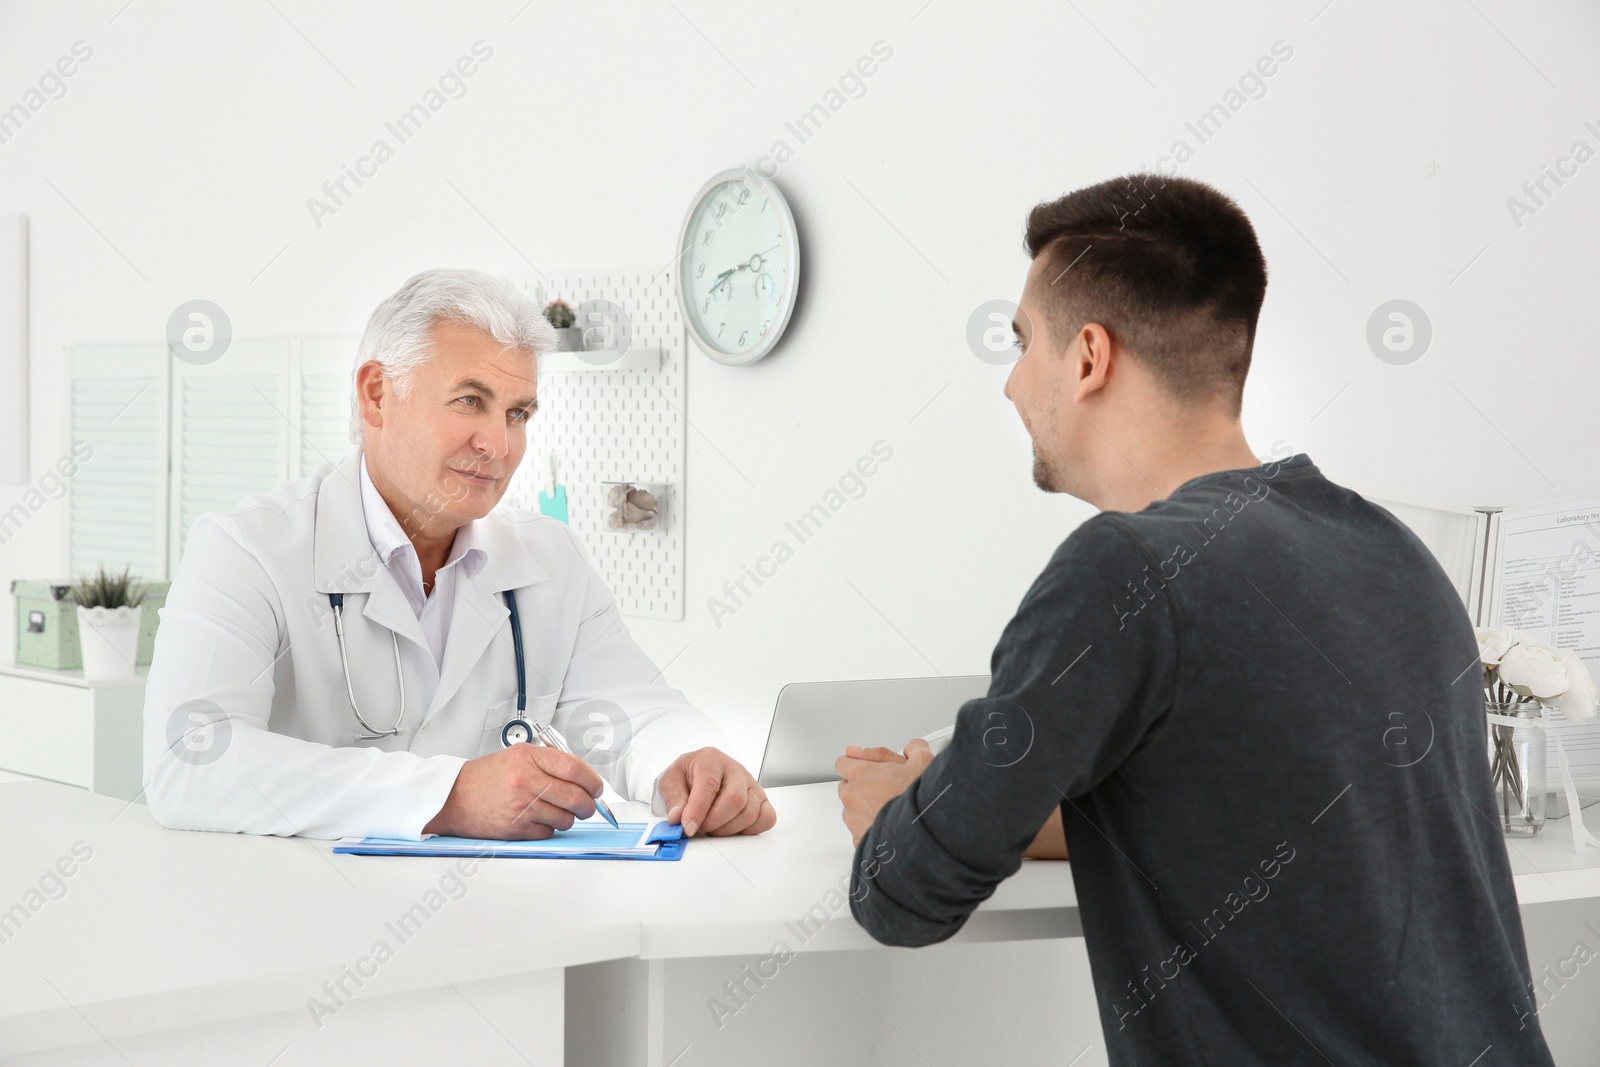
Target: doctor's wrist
{"x": 439, "y": 824}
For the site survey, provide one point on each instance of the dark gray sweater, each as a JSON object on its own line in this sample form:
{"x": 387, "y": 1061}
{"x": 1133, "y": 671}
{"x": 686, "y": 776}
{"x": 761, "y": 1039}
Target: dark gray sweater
{"x": 1258, "y": 706}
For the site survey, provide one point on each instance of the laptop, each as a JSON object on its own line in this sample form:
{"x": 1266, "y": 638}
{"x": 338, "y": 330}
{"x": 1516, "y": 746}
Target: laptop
{"x": 813, "y": 721}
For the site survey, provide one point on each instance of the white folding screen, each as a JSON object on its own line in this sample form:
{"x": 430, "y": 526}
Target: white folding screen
{"x": 169, "y": 440}
{"x": 322, "y": 419}
{"x": 230, "y": 432}
{"x": 118, "y": 397}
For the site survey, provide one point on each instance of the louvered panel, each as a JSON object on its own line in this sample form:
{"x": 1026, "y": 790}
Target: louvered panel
{"x": 117, "y": 498}
{"x": 231, "y": 431}
{"x": 324, "y": 415}
{"x": 324, "y": 420}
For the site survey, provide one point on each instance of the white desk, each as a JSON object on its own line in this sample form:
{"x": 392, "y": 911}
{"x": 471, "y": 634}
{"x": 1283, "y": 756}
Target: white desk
{"x": 176, "y": 947}
{"x": 1546, "y": 868}
{"x": 167, "y": 943}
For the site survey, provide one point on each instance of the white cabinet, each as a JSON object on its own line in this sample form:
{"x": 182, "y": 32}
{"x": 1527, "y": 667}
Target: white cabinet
{"x": 55, "y": 725}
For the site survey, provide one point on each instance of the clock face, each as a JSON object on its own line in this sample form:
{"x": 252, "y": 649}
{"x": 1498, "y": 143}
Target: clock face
{"x": 739, "y": 269}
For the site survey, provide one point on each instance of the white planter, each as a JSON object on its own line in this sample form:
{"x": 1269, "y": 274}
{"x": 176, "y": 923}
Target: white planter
{"x": 110, "y": 640}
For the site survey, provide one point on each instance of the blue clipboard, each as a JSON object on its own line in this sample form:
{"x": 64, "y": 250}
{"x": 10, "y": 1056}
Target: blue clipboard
{"x": 573, "y": 844}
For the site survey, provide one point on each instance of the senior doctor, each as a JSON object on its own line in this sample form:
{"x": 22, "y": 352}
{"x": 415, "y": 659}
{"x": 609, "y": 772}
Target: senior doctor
{"x": 250, "y": 718}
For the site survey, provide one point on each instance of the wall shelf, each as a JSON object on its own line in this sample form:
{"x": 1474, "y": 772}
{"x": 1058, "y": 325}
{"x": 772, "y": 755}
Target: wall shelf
{"x": 633, "y": 359}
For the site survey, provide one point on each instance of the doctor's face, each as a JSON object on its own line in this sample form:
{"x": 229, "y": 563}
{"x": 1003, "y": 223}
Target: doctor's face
{"x": 448, "y": 448}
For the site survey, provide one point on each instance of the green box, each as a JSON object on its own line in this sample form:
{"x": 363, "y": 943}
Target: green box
{"x": 47, "y": 623}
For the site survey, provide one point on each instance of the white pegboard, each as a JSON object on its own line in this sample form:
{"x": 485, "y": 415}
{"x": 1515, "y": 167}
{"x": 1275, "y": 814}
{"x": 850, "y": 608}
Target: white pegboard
{"x": 616, "y": 425}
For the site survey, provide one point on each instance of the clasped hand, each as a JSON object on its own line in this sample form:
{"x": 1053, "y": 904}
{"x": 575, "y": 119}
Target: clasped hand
{"x": 871, "y": 777}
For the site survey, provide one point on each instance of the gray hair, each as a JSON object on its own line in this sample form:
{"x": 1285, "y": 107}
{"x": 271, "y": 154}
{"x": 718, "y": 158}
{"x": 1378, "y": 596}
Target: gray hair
{"x": 400, "y": 333}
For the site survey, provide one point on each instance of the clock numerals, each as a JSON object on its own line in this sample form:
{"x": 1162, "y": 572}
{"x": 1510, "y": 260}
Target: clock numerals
{"x": 739, "y": 263}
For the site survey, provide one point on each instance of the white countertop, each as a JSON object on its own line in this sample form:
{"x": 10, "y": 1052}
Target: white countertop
{"x": 1547, "y": 869}
{"x": 163, "y": 928}
{"x": 73, "y": 677}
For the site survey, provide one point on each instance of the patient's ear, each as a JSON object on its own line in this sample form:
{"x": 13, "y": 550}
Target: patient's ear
{"x": 1091, "y": 360}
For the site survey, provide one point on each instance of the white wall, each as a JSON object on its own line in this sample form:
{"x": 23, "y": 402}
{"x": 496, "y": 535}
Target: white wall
{"x": 1376, "y": 165}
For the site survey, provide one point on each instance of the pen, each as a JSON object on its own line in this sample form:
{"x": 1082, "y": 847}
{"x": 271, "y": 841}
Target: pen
{"x": 547, "y": 735}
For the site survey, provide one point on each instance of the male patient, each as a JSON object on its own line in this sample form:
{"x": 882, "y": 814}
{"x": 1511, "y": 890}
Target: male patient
{"x": 1199, "y": 698}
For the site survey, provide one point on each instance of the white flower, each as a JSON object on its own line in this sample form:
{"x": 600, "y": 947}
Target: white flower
{"x": 1494, "y": 643}
{"x": 1535, "y": 670}
{"x": 1578, "y": 702}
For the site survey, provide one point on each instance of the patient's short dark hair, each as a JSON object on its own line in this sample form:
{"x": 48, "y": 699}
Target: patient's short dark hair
{"x": 1169, "y": 266}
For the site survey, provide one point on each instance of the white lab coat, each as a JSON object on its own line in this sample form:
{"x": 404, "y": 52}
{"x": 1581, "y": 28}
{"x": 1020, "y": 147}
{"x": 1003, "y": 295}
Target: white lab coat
{"x": 247, "y": 638}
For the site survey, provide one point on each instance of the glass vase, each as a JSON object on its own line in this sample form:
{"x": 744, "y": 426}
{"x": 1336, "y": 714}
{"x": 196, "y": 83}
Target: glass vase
{"x": 1517, "y": 766}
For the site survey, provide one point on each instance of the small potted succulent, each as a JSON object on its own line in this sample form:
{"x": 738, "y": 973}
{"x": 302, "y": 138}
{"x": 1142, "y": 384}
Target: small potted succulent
{"x": 564, "y": 319}
{"x": 110, "y": 614}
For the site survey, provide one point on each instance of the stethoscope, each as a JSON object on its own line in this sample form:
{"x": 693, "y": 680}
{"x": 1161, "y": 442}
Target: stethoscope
{"x": 516, "y": 730}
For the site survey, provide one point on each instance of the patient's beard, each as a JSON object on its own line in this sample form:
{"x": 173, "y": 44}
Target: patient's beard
{"x": 1044, "y": 475}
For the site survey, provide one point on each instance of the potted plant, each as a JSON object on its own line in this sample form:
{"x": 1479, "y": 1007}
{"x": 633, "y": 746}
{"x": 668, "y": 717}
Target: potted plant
{"x": 110, "y": 614}
{"x": 1520, "y": 678}
{"x": 564, "y": 319}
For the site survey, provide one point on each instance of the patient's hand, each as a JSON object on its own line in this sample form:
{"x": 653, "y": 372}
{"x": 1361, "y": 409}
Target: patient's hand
{"x": 1050, "y": 843}
{"x": 874, "y": 776}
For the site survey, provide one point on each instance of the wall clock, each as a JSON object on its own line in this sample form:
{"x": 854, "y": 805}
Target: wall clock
{"x": 738, "y": 267}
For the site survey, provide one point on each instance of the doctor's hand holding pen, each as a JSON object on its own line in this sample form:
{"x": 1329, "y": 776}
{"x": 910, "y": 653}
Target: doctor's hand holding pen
{"x": 523, "y": 792}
